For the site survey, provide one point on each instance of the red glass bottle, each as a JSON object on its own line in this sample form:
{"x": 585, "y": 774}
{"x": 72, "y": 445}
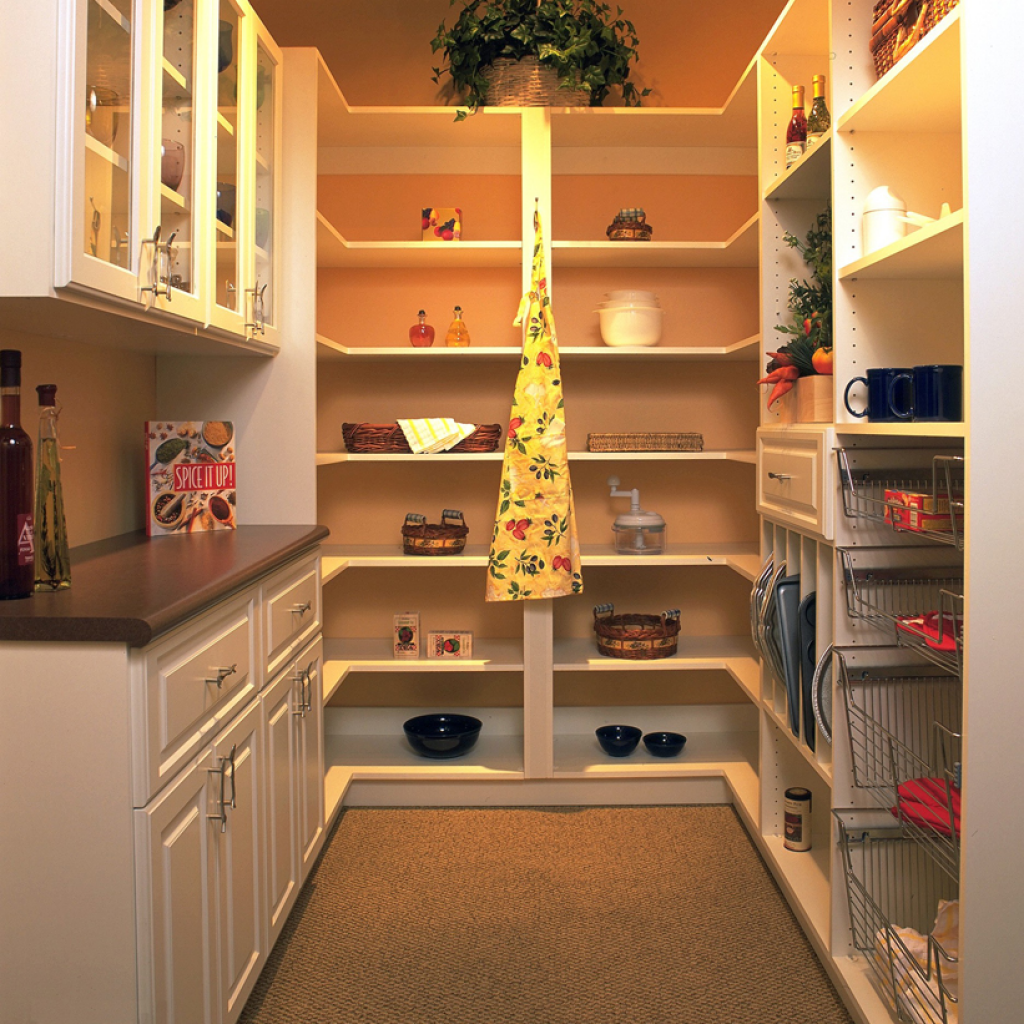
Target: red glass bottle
{"x": 17, "y": 546}
{"x": 796, "y": 132}
{"x": 421, "y": 334}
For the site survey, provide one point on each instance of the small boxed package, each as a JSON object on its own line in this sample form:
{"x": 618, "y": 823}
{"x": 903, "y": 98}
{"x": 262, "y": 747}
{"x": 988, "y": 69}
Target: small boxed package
{"x": 407, "y": 635}
{"x": 441, "y": 223}
{"x": 449, "y": 644}
{"x": 914, "y": 510}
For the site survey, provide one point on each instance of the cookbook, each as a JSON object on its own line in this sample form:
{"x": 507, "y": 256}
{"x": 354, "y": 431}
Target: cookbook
{"x": 190, "y": 476}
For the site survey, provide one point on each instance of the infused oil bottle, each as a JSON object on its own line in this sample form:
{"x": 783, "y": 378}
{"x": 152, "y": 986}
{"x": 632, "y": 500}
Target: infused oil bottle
{"x": 17, "y": 546}
{"x": 458, "y": 332}
{"x": 53, "y": 560}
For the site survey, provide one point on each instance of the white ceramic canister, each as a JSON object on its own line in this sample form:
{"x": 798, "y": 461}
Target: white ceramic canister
{"x": 884, "y": 220}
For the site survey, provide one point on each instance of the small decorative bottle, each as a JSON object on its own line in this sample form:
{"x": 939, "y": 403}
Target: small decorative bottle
{"x": 796, "y": 132}
{"x": 53, "y": 561}
{"x": 421, "y": 334}
{"x": 819, "y": 119}
{"x": 458, "y": 332}
{"x": 16, "y": 535}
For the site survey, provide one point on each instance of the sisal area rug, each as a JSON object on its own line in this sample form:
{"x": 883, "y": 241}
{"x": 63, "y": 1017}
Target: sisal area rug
{"x": 570, "y": 915}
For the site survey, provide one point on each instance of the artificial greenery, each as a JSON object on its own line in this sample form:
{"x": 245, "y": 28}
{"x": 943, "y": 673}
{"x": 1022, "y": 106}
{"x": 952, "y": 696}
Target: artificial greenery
{"x": 810, "y": 302}
{"x": 588, "y": 46}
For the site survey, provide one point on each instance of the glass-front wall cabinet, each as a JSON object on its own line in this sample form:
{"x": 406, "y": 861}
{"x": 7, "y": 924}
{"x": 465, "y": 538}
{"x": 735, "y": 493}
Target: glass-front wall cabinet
{"x": 263, "y": 193}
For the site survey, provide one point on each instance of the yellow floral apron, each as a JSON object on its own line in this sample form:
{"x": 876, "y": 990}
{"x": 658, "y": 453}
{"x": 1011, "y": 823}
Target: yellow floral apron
{"x": 535, "y": 551}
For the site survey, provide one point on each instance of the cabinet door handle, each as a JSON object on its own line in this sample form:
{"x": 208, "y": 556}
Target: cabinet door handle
{"x": 222, "y": 674}
{"x": 779, "y": 476}
{"x": 231, "y": 761}
{"x": 301, "y": 609}
{"x": 222, "y": 807}
{"x": 300, "y": 707}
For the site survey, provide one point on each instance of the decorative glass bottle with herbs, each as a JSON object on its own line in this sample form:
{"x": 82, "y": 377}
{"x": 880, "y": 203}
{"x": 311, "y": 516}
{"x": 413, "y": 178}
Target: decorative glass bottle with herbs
{"x": 421, "y": 334}
{"x": 458, "y": 332}
{"x": 819, "y": 119}
{"x": 16, "y": 535}
{"x": 796, "y": 132}
{"x": 53, "y": 560}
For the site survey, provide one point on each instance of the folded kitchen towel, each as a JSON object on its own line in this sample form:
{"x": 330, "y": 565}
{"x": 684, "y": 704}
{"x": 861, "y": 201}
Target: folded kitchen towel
{"x": 434, "y": 435}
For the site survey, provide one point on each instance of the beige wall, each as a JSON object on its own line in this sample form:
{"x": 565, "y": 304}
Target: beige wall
{"x": 691, "y": 52}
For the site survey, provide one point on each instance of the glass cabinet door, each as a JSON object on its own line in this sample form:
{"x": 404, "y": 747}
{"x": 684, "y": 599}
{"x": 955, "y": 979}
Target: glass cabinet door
{"x": 264, "y": 195}
{"x": 107, "y": 213}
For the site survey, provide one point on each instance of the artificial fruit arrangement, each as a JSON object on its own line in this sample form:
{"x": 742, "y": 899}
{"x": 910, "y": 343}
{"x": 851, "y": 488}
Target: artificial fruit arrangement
{"x": 810, "y": 349}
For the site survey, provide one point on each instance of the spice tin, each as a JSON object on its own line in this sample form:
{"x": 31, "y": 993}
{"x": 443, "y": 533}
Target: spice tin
{"x": 407, "y": 635}
{"x": 797, "y": 835}
{"x": 450, "y": 644}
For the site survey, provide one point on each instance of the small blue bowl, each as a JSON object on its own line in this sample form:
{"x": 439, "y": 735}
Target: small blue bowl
{"x": 665, "y": 744}
{"x": 444, "y": 735}
{"x": 619, "y": 740}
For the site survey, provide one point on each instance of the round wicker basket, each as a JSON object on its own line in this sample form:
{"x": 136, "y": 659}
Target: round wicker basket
{"x": 528, "y": 83}
{"x": 636, "y": 637}
{"x": 445, "y": 538}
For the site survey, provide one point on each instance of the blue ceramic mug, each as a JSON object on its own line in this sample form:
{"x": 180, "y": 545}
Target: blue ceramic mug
{"x": 938, "y": 393}
{"x": 882, "y": 391}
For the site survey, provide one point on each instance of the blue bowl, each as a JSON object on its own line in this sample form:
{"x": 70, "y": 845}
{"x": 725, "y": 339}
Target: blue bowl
{"x": 443, "y": 735}
{"x": 665, "y": 744}
{"x": 619, "y": 740}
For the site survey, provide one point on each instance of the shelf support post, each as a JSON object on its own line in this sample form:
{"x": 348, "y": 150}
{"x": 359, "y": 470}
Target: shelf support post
{"x": 538, "y": 689}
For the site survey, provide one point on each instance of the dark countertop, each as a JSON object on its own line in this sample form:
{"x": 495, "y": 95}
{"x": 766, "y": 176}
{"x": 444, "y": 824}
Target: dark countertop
{"x": 130, "y": 589}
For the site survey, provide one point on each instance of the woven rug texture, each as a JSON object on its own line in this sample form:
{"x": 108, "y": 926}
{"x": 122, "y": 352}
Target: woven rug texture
{"x": 568, "y": 915}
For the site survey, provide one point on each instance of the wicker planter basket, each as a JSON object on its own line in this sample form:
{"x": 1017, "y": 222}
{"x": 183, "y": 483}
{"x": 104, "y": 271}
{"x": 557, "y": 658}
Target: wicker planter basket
{"x": 636, "y": 637}
{"x": 445, "y": 538}
{"x": 645, "y": 442}
{"x": 528, "y": 83}
{"x": 376, "y": 438}
{"x": 897, "y": 26}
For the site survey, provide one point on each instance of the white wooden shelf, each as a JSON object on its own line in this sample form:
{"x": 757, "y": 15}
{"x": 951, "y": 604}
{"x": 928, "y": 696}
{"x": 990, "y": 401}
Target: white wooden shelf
{"x": 921, "y": 93}
{"x": 705, "y": 753}
{"x": 809, "y": 178}
{"x": 105, "y": 153}
{"x": 732, "y": 654}
{"x": 731, "y": 455}
{"x": 806, "y": 876}
{"x": 179, "y": 87}
{"x": 745, "y": 350}
{"x": 935, "y": 251}
{"x": 336, "y": 558}
{"x": 801, "y": 29}
{"x": 114, "y": 14}
{"x": 224, "y": 125}
{"x": 262, "y": 162}
{"x": 175, "y": 198}
{"x": 739, "y": 250}
{"x": 903, "y": 429}
{"x": 781, "y": 721}
{"x": 334, "y": 250}
{"x": 223, "y": 229}
{"x": 389, "y": 756}
{"x": 342, "y": 656}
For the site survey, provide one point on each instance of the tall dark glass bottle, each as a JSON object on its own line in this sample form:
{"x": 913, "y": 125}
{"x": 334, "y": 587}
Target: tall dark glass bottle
{"x": 17, "y": 547}
{"x": 53, "y": 559}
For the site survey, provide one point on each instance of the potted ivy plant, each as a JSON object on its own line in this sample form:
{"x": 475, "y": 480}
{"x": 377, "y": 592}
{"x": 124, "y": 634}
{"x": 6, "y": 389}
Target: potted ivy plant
{"x": 588, "y": 49}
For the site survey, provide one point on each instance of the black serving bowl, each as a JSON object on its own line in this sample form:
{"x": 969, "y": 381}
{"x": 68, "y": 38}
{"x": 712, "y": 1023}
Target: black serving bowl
{"x": 443, "y": 735}
{"x": 665, "y": 744}
{"x": 619, "y": 740}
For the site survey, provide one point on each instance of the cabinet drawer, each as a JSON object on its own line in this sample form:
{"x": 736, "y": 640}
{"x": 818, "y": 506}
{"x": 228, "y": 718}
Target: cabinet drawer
{"x": 291, "y": 611}
{"x": 188, "y": 685}
{"x": 794, "y": 478}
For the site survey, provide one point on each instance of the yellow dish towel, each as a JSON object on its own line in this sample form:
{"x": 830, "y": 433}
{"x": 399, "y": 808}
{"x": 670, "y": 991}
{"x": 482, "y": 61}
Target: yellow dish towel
{"x": 434, "y": 435}
{"x": 535, "y": 550}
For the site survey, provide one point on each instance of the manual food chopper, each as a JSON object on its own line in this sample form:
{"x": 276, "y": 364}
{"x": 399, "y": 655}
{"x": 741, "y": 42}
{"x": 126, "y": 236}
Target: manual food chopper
{"x": 637, "y": 532}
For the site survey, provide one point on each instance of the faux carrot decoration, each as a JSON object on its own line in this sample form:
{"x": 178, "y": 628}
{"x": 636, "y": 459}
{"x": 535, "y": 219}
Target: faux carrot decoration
{"x": 783, "y": 377}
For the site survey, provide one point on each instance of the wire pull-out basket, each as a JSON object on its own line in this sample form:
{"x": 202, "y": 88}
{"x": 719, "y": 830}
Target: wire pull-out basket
{"x": 892, "y": 886}
{"x": 905, "y": 741}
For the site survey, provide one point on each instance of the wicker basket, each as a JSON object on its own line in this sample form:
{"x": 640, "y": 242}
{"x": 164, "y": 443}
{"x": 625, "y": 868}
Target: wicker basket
{"x": 446, "y": 538}
{"x": 528, "y": 83}
{"x": 645, "y": 442}
{"x": 898, "y": 25}
{"x": 636, "y": 637}
{"x": 376, "y": 438}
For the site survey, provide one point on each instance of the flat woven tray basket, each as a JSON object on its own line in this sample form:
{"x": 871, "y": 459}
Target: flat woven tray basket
{"x": 373, "y": 438}
{"x": 636, "y": 637}
{"x": 897, "y": 26}
{"x": 445, "y": 538}
{"x": 645, "y": 442}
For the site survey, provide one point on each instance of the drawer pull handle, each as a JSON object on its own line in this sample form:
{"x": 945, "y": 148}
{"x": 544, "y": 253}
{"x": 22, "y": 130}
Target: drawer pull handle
{"x": 779, "y": 476}
{"x": 301, "y": 609}
{"x": 222, "y": 674}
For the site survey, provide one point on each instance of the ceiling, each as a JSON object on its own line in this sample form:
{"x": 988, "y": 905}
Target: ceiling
{"x": 692, "y": 52}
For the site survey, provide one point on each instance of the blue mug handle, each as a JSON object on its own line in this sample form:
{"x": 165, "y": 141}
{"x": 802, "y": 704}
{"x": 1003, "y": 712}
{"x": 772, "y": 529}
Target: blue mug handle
{"x": 892, "y": 405}
{"x": 846, "y": 397}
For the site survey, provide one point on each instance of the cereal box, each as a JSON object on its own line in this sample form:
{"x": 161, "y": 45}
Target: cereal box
{"x": 441, "y": 223}
{"x": 917, "y": 511}
{"x": 190, "y": 476}
{"x": 407, "y": 635}
{"x": 449, "y": 644}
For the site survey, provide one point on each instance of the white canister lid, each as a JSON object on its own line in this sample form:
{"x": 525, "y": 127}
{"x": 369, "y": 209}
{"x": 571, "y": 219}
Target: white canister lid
{"x": 641, "y": 520}
{"x": 882, "y": 199}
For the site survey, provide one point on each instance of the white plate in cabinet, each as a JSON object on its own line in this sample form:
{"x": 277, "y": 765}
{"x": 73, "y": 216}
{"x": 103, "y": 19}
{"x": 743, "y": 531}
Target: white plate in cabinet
{"x": 291, "y": 610}
{"x": 187, "y": 685}
{"x": 794, "y": 474}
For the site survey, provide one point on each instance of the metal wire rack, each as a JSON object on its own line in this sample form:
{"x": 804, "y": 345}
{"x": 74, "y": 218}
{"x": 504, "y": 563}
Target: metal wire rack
{"x": 921, "y": 609}
{"x": 865, "y": 490}
{"x": 893, "y": 885}
{"x": 905, "y": 742}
